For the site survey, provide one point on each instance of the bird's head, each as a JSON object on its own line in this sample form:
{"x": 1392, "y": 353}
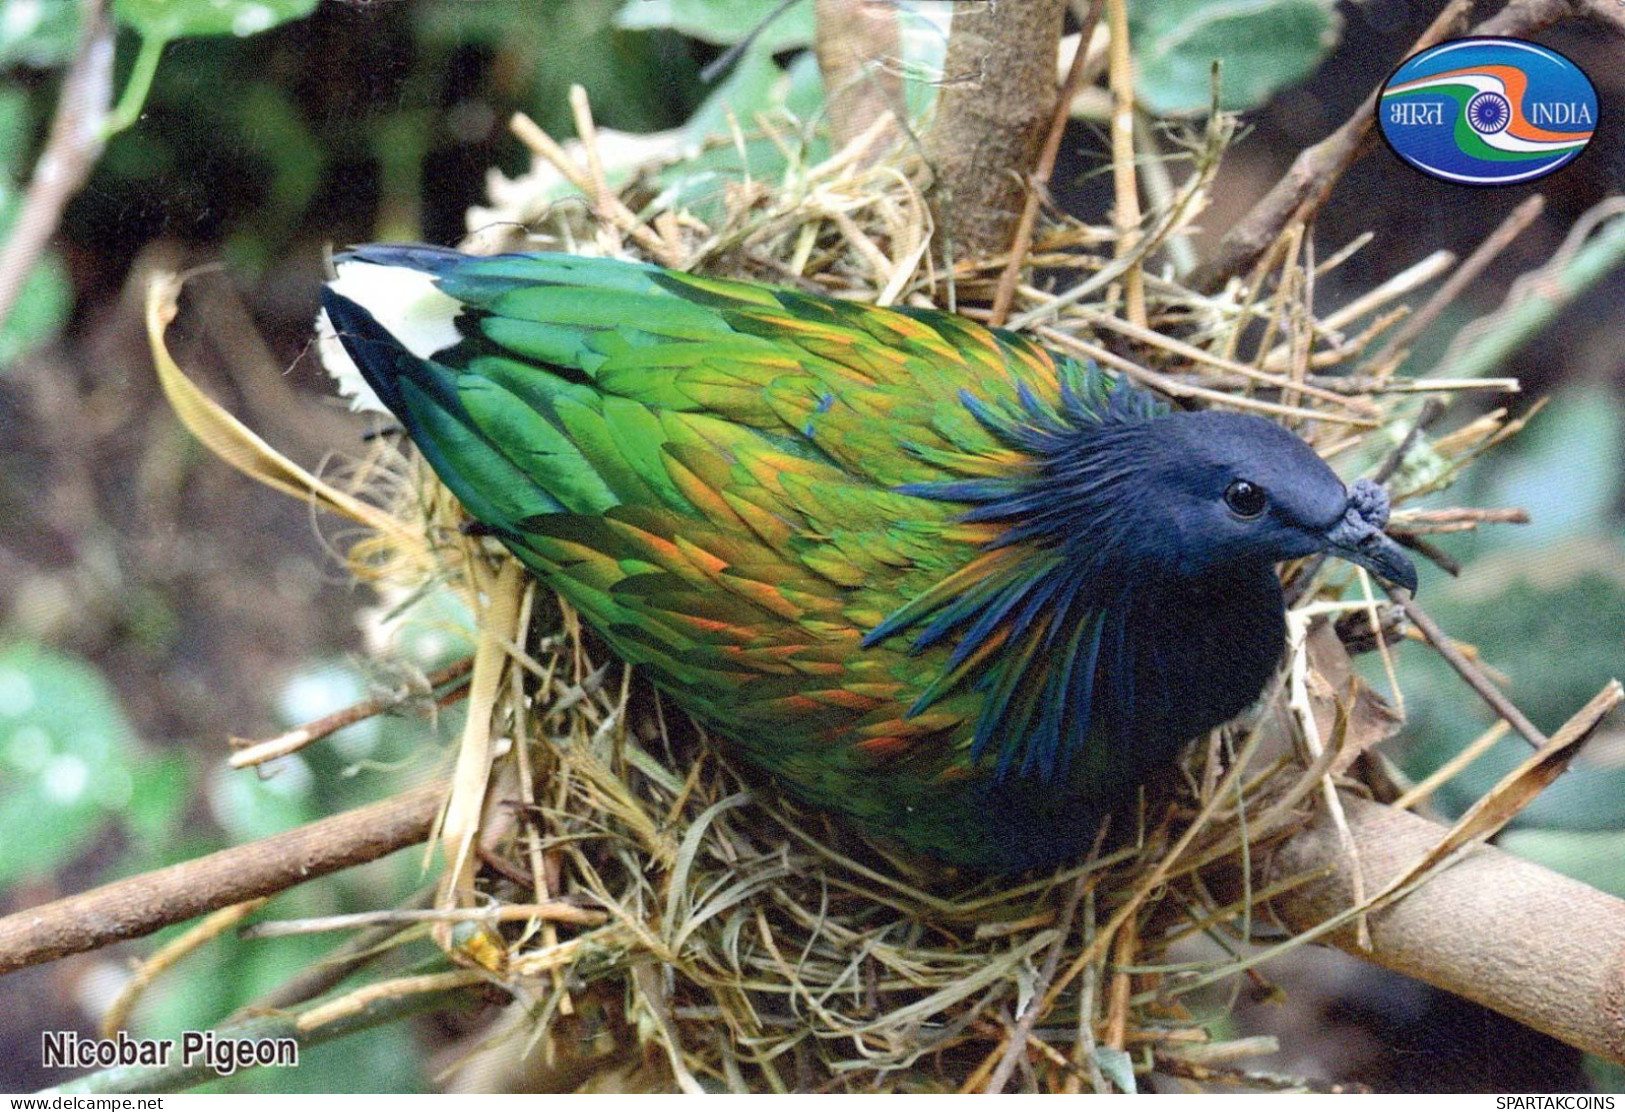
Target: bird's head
{"x": 1233, "y": 490}
{"x": 1131, "y": 493}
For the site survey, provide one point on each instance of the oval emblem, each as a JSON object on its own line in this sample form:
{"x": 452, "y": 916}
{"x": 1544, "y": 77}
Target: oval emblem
{"x": 1488, "y": 111}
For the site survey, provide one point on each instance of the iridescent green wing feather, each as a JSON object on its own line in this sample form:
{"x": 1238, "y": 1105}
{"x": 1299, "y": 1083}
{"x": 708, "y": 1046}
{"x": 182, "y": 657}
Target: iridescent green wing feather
{"x": 711, "y": 472}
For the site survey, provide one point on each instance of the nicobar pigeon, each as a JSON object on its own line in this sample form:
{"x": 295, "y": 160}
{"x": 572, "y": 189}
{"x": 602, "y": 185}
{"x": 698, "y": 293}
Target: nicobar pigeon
{"x": 960, "y": 591}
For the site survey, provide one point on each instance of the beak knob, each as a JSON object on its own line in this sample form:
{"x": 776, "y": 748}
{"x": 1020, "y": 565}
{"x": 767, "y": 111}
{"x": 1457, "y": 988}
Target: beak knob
{"x": 1358, "y": 536}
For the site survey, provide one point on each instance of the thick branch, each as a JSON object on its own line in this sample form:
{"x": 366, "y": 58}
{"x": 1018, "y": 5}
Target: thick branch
{"x": 998, "y": 93}
{"x": 142, "y": 904}
{"x": 853, "y": 36}
{"x": 1514, "y": 936}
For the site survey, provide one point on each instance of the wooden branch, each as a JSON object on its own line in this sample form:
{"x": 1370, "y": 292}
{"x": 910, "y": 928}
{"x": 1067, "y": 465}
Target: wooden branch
{"x": 71, "y": 150}
{"x": 854, "y": 35}
{"x": 1521, "y": 17}
{"x": 1125, "y": 180}
{"x": 1466, "y": 669}
{"x": 994, "y": 109}
{"x": 142, "y": 904}
{"x": 258, "y": 752}
{"x": 1509, "y": 934}
{"x": 1005, "y": 296}
{"x": 1299, "y": 194}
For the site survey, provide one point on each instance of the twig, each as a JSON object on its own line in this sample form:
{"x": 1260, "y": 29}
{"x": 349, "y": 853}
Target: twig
{"x": 142, "y": 904}
{"x": 1320, "y": 754}
{"x": 723, "y": 62}
{"x": 1455, "y": 520}
{"x": 335, "y": 967}
{"x": 117, "y": 1016}
{"x": 1466, "y": 669}
{"x": 1177, "y": 389}
{"x": 1124, "y": 945}
{"x": 1005, "y": 295}
{"x": 1439, "y": 385}
{"x": 1052, "y": 962}
{"x": 557, "y": 911}
{"x": 1249, "y": 1079}
{"x": 1245, "y": 371}
{"x": 603, "y": 197}
{"x": 1126, "y": 189}
{"x": 258, "y": 752}
{"x": 614, "y": 211}
{"x": 1510, "y": 228}
{"x": 1430, "y": 551}
{"x": 502, "y": 592}
{"x": 1359, "y": 386}
{"x": 71, "y": 149}
{"x": 1413, "y": 277}
{"x": 1304, "y": 187}
{"x": 357, "y": 1003}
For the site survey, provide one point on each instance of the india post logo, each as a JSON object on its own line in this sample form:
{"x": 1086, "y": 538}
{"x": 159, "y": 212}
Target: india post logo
{"x": 1488, "y": 111}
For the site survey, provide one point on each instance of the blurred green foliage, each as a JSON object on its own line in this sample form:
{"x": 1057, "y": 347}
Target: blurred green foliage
{"x": 176, "y": 19}
{"x": 1260, "y": 48}
{"x": 40, "y": 34}
{"x": 71, "y": 766}
{"x": 1545, "y": 604}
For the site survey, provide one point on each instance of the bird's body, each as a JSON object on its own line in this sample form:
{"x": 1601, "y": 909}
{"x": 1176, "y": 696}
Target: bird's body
{"x": 924, "y": 575}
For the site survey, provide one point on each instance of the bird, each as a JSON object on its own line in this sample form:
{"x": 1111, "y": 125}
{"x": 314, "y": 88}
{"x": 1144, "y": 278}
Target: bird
{"x": 957, "y": 591}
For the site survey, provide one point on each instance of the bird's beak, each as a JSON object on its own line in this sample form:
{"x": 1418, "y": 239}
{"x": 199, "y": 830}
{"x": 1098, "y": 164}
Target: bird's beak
{"x": 1359, "y": 539}
{"x": 1380, "y": 556}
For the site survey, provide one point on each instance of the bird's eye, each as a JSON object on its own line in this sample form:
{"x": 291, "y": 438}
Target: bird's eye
{"x": 1245, "y": 499}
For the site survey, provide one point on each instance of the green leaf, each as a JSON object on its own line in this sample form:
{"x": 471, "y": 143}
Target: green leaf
{"x": 38, "y": 33}
{"x": 40, "y": 310}
{"x": 175, "y": 19}
{"x": 67, "y": 758}
{"x": 1261, "y": 46}
{"x": 755, "y": 84}
{"x": 636, "y": 81}
{"x": 1117, "y": 1066}
{"x": 723, "y": 22}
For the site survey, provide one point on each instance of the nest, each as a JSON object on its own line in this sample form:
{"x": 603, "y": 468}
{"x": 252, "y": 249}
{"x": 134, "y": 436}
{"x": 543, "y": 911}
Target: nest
{"x": 661, "y": 922}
